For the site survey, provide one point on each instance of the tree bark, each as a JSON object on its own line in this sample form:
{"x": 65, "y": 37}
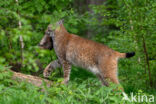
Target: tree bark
{"x": 147, "y": 60}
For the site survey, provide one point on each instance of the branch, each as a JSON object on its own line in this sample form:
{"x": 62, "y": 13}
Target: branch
{"x": 37, "y": 81}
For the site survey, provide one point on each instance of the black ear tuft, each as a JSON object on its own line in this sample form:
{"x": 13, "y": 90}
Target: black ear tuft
{"x": 130, "y": 54}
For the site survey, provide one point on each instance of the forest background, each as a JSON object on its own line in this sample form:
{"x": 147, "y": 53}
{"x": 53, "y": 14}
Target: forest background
{"x": 123, "y": 25}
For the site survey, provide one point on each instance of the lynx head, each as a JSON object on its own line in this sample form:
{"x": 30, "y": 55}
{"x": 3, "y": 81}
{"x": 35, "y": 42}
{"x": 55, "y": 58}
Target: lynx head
{"x": 47, "y": 42}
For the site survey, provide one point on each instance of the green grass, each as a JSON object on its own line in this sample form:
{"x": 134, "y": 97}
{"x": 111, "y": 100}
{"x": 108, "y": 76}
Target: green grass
{"x": 83, "y": 88}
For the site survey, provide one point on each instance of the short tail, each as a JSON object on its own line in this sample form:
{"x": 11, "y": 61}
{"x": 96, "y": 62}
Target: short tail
{"x": 126, "y": 55}
{"x": 130, "y": 54}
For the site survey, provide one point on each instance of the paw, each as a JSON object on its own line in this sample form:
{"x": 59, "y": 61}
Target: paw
{"x": 46, "y": 73}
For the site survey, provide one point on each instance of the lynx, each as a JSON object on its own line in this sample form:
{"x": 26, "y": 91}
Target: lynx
{"x": 72, "y": 49}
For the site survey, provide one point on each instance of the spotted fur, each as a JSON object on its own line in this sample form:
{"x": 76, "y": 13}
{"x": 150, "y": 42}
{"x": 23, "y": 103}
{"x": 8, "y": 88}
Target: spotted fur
{"x": 95, "y": 57}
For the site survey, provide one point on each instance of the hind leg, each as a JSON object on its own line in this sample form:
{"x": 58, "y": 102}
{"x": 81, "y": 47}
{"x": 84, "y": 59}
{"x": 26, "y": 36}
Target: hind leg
{"x": 109, "y": 70}
{"x": 111, "y": 75}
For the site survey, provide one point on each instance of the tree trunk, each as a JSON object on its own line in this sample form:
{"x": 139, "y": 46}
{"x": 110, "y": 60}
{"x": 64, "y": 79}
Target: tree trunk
{"x": 147, "y": 60}
{"x": 37, "y": 81}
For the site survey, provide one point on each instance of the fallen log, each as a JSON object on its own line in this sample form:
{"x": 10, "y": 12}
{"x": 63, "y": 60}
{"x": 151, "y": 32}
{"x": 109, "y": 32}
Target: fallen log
{"x": 37, "y": 81}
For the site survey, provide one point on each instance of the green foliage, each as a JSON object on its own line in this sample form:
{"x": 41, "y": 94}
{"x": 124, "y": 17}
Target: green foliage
{"x": 120, "y": 24}
{"x": 5, "y": 74}
{"x": 34, "y": 15}
{"x": 86, "y": 92}
{"x": 21, "y": 94}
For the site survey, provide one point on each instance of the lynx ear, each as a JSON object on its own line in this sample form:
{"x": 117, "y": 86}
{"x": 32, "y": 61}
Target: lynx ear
{"x": 60, "y": 22}
{"x": 56, "y": 25}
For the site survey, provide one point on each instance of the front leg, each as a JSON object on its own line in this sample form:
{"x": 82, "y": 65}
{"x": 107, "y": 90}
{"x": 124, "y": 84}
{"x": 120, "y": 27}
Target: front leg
{"x": 67, "y": 70}
{"x": 51, "y": 67}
